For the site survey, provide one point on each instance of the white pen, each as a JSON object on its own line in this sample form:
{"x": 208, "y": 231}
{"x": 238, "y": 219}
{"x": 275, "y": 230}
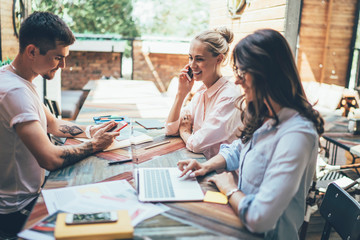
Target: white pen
{"x": 157, "y": 144}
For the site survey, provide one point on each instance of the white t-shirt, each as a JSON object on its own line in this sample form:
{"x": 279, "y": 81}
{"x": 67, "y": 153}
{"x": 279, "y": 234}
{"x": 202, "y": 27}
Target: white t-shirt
{"x": 20, "y": 174}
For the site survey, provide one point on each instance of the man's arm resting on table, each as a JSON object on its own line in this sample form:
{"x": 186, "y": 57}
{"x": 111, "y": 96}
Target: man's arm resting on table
{"x": 52, "y": 157}
{"x": 61, "y": 128}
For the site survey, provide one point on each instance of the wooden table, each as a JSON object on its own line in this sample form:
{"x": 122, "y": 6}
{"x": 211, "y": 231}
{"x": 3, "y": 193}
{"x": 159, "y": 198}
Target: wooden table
{"x": 190, "y": 219}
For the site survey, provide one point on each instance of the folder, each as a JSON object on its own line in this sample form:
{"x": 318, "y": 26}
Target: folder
{"x": 122, "y": 229}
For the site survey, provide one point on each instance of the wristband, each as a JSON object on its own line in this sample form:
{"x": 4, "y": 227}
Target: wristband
{"x": 231, "y": 192}
{"x": 87, "y": 131}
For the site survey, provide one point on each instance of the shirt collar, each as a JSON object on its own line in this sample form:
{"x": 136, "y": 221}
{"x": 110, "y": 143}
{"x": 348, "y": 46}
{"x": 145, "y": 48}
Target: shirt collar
{"x": 283, "y": 115}
{"x": 215, "y": 87}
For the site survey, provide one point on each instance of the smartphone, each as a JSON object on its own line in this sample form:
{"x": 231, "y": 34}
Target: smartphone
{"x": 190, "y": 74}
{"x": 120, "y": 125}
{"x": 85, "y": 218}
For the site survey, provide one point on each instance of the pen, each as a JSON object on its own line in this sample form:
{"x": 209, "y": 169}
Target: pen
{"x": 108, "y": 120}
{"x": 120, "y": 161}
{"x": 98, "y": 118}
{"x": 157, "y": 144}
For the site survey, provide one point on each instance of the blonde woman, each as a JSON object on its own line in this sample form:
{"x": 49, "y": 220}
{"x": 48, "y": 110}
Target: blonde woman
{"x": 210, "y": 118}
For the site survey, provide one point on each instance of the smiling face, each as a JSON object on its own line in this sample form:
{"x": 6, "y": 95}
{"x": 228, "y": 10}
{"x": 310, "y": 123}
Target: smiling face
{"x": 204, "y": 65}
{"x": 47, "y": 65}
{"x": 244, "y": 79}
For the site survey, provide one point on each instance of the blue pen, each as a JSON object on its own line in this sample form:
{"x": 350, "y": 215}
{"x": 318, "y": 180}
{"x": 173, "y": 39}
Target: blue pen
{"x": 119, "y": 162}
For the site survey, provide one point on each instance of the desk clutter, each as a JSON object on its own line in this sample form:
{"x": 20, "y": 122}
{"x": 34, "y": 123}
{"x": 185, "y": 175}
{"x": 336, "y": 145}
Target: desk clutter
{"x": 55, "y": 227}
{"x": 125, "y": 139}
{"x": 116, "y": 196}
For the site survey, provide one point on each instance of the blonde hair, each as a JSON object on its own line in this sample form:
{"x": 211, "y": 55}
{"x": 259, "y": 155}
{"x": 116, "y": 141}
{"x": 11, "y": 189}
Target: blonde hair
{"x": 217, "y": 40}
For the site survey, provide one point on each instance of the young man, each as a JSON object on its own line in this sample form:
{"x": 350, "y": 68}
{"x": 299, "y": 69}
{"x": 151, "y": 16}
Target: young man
{"x": 25, "y": 149}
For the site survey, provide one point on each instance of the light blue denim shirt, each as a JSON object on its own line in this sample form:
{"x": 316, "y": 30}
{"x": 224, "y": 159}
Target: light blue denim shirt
{"x": 276, "y": 168}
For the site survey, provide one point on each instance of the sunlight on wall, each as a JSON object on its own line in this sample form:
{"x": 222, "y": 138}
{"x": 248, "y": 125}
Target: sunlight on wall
{"x": 305, "y": 70}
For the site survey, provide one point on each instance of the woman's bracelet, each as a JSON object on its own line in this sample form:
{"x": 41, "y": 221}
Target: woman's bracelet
{"x": 231, "y": 192}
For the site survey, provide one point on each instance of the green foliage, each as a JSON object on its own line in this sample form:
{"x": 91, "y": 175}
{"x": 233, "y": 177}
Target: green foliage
{"x": 131, "y": 18}
{"x": 93, "y": 16}
{"x": 5, "y": 62}
{"x": 178, "y": 18}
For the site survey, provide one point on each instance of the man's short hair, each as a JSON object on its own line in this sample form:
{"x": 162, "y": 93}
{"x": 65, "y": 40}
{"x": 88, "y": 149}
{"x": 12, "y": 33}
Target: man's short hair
{"x": 44, "y": 30}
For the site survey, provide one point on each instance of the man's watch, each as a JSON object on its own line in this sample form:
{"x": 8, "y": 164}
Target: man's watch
{"x": 231, "y": 192}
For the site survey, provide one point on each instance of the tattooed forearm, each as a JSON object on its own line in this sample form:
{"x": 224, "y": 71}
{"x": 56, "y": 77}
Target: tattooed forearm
{"x": 73, "y": 130}
{"x": 73, "y": 154}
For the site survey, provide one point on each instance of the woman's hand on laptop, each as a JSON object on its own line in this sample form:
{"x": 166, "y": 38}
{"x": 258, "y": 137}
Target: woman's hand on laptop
{"x": 191, "y": 165}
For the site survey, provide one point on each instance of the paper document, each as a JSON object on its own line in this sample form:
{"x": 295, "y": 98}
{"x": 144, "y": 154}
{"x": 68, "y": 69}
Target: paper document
{"x": 99, "y": 197}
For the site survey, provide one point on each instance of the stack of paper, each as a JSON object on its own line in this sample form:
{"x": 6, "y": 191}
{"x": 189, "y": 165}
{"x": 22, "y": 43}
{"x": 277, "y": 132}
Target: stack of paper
{"x": 97, "y": 197}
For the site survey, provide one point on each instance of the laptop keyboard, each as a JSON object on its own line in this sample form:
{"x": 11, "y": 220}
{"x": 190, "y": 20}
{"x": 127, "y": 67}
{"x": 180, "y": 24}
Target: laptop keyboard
{"x": 158, "y": 183}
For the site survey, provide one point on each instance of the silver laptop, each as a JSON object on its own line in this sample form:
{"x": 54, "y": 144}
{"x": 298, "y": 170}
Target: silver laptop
{"x": 164, "y": 185}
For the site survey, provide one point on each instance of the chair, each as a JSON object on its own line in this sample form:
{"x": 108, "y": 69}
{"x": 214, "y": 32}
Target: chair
{"x": 48, "y": 104}
{"x": 341, "y": 212}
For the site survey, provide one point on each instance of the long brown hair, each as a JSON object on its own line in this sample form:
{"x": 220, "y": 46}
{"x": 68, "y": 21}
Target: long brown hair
{"x": 266, "y": 55}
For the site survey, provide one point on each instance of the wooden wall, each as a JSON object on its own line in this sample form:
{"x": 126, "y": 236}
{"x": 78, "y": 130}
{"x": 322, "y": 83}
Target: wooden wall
{"x": 9, "y": 41}
{"x": 324, "y": 41}
{"x": 322, "y": 53}
{"x": 256, "y": 15}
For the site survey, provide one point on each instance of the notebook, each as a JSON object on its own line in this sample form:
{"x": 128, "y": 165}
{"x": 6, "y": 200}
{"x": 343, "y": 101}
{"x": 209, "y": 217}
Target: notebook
{"x": 164, "y": 185}
{"x": 121, "y": 229}
{"x": 150, "y": 123}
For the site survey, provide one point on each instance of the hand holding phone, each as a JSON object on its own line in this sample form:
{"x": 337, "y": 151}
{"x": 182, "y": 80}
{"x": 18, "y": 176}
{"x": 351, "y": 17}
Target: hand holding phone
{"x": 120, "y": 125}
{"x": 86, "y": 218}
{"x": 190, "y": 74}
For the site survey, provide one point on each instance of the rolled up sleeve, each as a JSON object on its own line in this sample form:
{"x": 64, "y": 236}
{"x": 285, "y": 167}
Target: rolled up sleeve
{"x": 16, "y": 113}
{"x": 231, "y": 153}
{"x": 172, "y": 128}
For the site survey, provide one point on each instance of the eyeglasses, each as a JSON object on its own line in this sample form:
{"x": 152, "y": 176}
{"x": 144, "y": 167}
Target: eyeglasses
{"x": 240, "y": 74}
